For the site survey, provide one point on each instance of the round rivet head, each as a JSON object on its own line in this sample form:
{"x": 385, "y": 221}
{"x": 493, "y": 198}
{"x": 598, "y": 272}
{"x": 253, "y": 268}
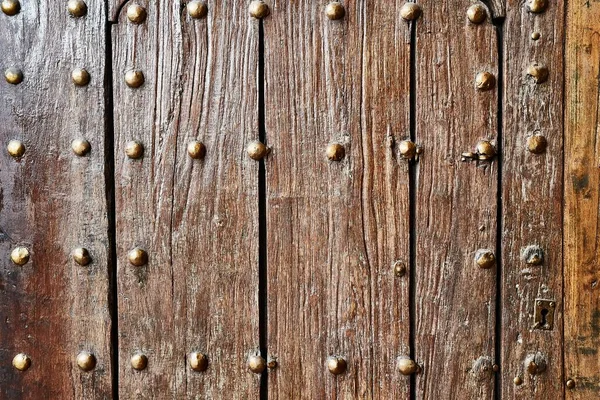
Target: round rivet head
{"x": 408, "y": 149}
{"x": 335, "y": 152}
{"x": 196, "y": 150}
{"x": 485, "y": 81}
{"x": 14, "y": 76}
{"x": 136, "y": 13}
{"x": 11, "y": 7}
{"x": 22, "y": 362}
{"x": 518, "y": 381}
{"x": 20, "y": 255}
{"x": 486, "y": 149}
{"x": 533, "y": 255}
{"x": 476, "y": 13}
{"x": 410, "y": 11}
{"x": 335, "y": 10}
{"x": 77, "y": 8}
{"x": 139, "y": 361}
{"x": 81, "y": 147}
{"x": 16, "y": 148}
{"x": 485, "y": 258}
{"x": 197, "y": 9}
{"x": 134, "y": 149}
{"x": 134, "y": 79}
{"x": 138, "y": 257}
{"x": 80, "y": 77}
{"x": 256, "y": 364}
{"x": 258, "y": 9}
{"x": 198, "y": 361}
{"x": 399, "y": 269}
{"x": 535, "y": 36}
{"x": 537, "y": 144}
{"x": 537, "y": 6}
{"x": 538, "y": 72}
{"x": 82, "y": 256}
{"x": 570, "y": 384}
{"x": 86, "y": 361}
{"x": 272, "y": 363}
{"x": 336, "y": 365}
{"x": 536, "y": 363}
{"x": 406, "y": 366}
{"x": 257, "y": 150}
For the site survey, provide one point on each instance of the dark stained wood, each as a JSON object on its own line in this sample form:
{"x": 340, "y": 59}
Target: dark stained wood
{"x": 197, "y": 219}
{"x": 455, "y": 204}
{"x": 52, "y": 202}
{"x": 531, "y": 199}
{"x": 335, "y": 229}
{"x": 581, "y": 253}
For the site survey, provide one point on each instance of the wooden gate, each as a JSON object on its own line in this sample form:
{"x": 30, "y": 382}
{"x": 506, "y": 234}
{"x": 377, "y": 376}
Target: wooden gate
{"x": 299, "y": 199}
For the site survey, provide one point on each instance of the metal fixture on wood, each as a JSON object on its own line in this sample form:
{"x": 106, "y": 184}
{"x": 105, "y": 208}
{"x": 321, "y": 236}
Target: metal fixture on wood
{"x": 485, "y": 81}
{"x": 22, "y": 362}
{"x": 257, "y": 150}
{"x": 476, "y": 13}
{"x": 134, "y": 149}
{"x": 485, "y": 259}
{"x": 538, "y": 72}
{"x": 197, "y": 9}
{"x": 77, "y": 8}
{"x": 86, "y": 361}
{"x": 484, "y": 151}
{"x": 139, "y": 361}
{"x": 410, "y": 11}
{"x": 407, "y": 366}
{"x": 335, "y": 10}
{"x": 336, "y": 365}
{"x": 16, "y": 148}
{"x": 409, "y": 150}
{"x": 335, "y": 152}
{"x": 134, "y": 79}
{"x": 13, "y": 75}
{"x": 196, "y": 150}
{"x": 256, "y": 364}
{"x": 537, "y": 144}
{"x": 11, "y": 7}
{"x": 82, "y": 256}
{"x": 258, "y": 9}
{"x": 81, "y": 147}
{"x": 198, "y": 361}
{"x": 80, "y": 77}
{"x": 536, "y": 363}
{"x": 136, "y": 13}
{"x": 138, "y": 257}
{"x": 537, "y": 6}
{"x": 544, "y": 314}
{"x": 20, "y": 255}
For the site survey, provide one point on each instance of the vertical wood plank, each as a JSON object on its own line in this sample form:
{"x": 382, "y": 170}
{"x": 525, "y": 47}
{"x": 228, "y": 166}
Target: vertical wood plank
{"x": 532, "y": 200}
{"x": 335, "y": 229}
{"x": 455, "y": 204}
{"x": 582, "y": 305}
{"x": 52, "y": 202}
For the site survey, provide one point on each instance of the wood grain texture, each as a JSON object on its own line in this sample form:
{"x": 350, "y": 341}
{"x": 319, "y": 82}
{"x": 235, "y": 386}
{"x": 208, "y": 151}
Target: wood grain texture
{"x": 455, "y": 204}
{"x": 335, "y": 229}
{"x": 197, "y": 219}
{"x": 52, "y": 202}
{"x": 531, "y": 199}
{"x": 581, "y": 251}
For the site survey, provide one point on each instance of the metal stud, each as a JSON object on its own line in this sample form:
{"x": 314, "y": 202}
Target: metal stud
{"x": 485, "y": 150}
{"x": 485, "y": 81}
{"x": 86, "y": 361}
{"x": 13, "y": 75}
{"x": 20, "y": 255}
{"x": 336, "y": 365}
{"x": 535, "y": 36}
{"x": 399, "y": 269}
{"x": 537, "y": 6}
{"x": 136, "y": 13}
{"x": 537, "y": 144}
{"x": 139, "y": 361}
{"x": 410, "y": 11}
{"x": 477, "y": 13}
{"x": 16, "y": 148}
{"x": 518, "y": 381}
{"x": 77, "y": 8}
{"x": 570, "y": 384}
{"x": 80, "y": 77}
{"x": 81, "y": 147}
{"x": 134, "y": 149}
{"x": 258, "y": 9}
{"x": 22, "y": 362}
{"x": 335, "y": 10}
{"x": 257, "y": 150}
{"x": 536, "y": 363}
{"x": 134, "y": 79}
{"x": 406, "y": 366}
{"x": 272, "y": 363}
{"x": 335, "y": 152}
{"x": 196, "y": 150}
{"x": 82, "y": 256}
{"x": 197, "y": 9}
{"x": 408, "y": 149}
{"x": 198, "y": 361}
{"x": 11, "y": 7}
{"x": 485, "y": 258}
{"x": 533, "y": 255}
{"x": 256, "y": 364}
{"x": 138, "y": 257}
{"x": 538, "y": 72}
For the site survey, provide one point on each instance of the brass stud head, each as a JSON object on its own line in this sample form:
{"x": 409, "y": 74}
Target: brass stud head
{"x": 256, "y": 364}
{"x": 20, "y": 255}
{"x": 86, "y": 361}
{"x": 570, "y": 384}
{"x": 336, "y": 365}
{"x": 139, "y": 361}
{"x": 272, "y": 363}
{"x": 198, "y": 361}
{"x": 518, "y": 381}
{"x": 22, "y": 362}
{"x": 410, "y": 11}
{"x": 538, "y": 72}
{"x": 138, "y": 257}
{"x": 485, "y": 149}
{"x": 13, "y": 75}
{"x": 408, "y": 149}
{"x": 11, "y": 7}
{"x": 16, "y": 148}
{"x": 535, "y": 36}
{"x": 536, "y": 363}
{"x": 537, "y": 6}
{"x": 335, "y": 152}
{"x": 134, "y": 149}
{"x": 335, "y": 10}
{"x": 81, "y": 147}
{"x": 257, "y": 150}
{"x": 77, "y": 8}
{"x": 476, "y": 13}
{"x": 485, "y": 258}
{"x": 80, "y": 77}
{"x": 537, "y": 144}
{"x": 82, "y": 256}
{"x": 136, "y": 13}
{"x": 196, "y": 150}
{"x": 485, "y": 81}
{"x": 134, "y": 79}
{"x": 406, "y": 366}
{"x": 399, "y": 269}
{"x": 197, "y": 9}
{"x": 533, "y": 255}
{"x": 258, "y": 9}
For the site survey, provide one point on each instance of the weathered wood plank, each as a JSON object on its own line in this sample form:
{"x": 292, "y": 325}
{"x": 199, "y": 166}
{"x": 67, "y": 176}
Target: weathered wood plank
{"x": 52, "y": 202}
{"x": 197, "y": 219}
{"x": 336, "y": 228}
{"x": 455, "y": 204}
{"x": 581, "y": 248}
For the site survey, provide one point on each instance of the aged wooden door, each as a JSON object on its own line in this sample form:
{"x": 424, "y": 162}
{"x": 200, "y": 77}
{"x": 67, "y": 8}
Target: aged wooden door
{"x": 299, "y": 199}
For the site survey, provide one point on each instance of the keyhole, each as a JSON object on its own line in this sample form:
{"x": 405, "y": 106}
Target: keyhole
{"x": 543, "y": 313}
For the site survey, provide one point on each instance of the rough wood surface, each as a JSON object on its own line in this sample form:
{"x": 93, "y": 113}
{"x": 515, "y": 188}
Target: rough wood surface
{"x": 581, "y": 216}
{"x": 197, "y": 219}
{"x": 52, "y": 202}
{"x": 455, "y": 204}
{"x": 335, "y": 229}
